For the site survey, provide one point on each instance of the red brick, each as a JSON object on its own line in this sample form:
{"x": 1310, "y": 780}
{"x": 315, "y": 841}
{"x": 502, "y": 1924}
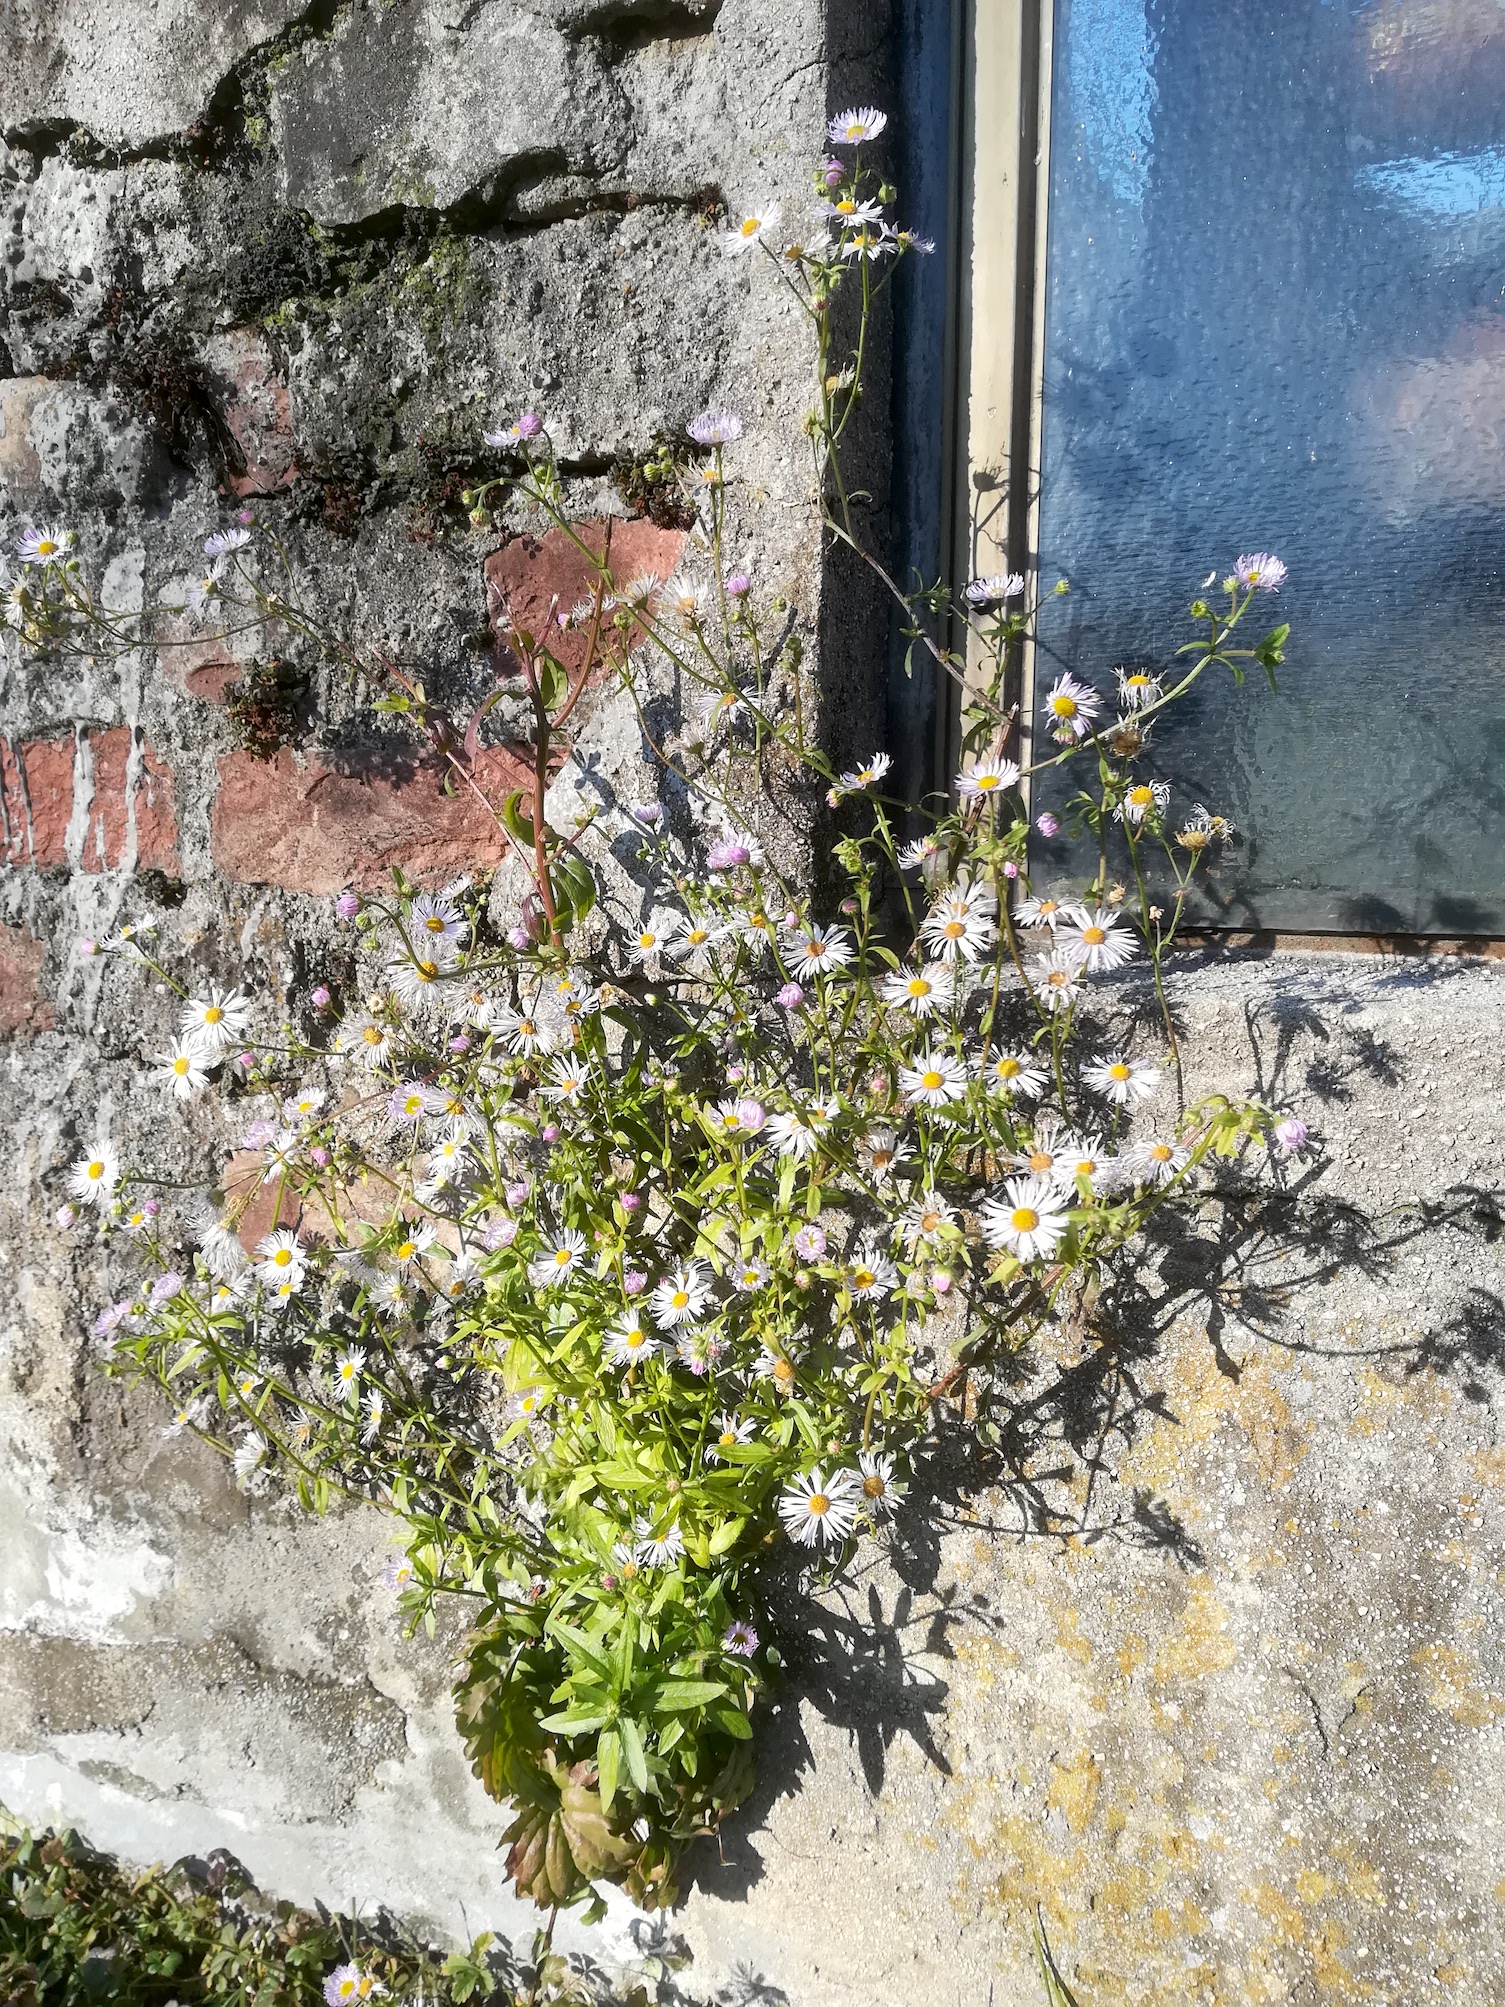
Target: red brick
{"x": 22, "y": 1008}
{"x": 311, "y": 829}
{"x": 258, "y": 410}
{"x": 529, "y": 574}
{"x": 38, "y": 782}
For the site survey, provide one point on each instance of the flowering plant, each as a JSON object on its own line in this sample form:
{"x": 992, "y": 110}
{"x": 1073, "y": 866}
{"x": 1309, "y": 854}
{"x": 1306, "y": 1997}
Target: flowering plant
{"x": 628, "y": 1262}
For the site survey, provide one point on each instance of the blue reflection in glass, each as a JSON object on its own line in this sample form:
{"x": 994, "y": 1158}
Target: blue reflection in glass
{"x": 1275, "y": 320}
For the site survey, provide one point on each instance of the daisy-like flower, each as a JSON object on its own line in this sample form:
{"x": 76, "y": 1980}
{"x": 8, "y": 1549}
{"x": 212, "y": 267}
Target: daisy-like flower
{"x": 1144, "y": 799}
{"x": 962, "y": 921}
{"x": 986, "y": 594}
{"x": 415, "y": 979}
{"x": 1044, "y": 912}
{"x": 740, "y": 1639}
{"x": 304, "y": 1105}
{"x": 464, "y": 1274}
{"x": 201, "y": 592}
{"x": 214, "y": 1230}
{"x": 1123, "y": 1081}
{"x": 525, "y": 1031}
{"x": 749, "y": 1276}
{"x": 368, "y": 1040}
{"x": 753, "y": 229}
{"x": 656, "y": 1549}
{"x": 95, "y": 1175}
{"x": 1016, "y": 1074}
{"x": 847, "y": 209}
{"x": 731, "y": 1432}
{"x": 448, "y": 1157}
{"x": 680, "y": 1297}
{"x": 1085, "y": 1164}
{"x": 348, "y": 1368}
{"x": 1027, "y": 1221}
{"x": 820, "y": 1511}
{"x": 182, "y": 1067}
{"x": 881, "y": 1490}
{"x": 867, "y": 775}
{"x": 913, "y": 856}
{"x": 817, "y": 950}
{"x": 1047, "y": 1154}
{"x": 566, "y": 1080}
{"x": 414, "y": 1245}
{"x": 1058, "y": 980}
{"x": 283, "y": 1257}
{"x": 216, "y": 1019}
{"x": 881, "y": 1152}
{"x": 399, "y": 1573}
{"x": 249, "y": 1452}
{"x": 1260, "y": 572}
{"x": 925, "y": 1220}
{"x": 871, "y": 1274}
{"x": 1204, "y": 828}
{"x": 1155, "y": 1162}
{"x": 408, "y": 1101}
{"x": 432, "y": 917}
{"x": 777, "y": 1370}
{"x": 557, "y": 1258}
{"x": 1127, "y": 737}
{"x": 797, "y": 1132}
{"x": 1137, "y": 688}
{"x": 525, "y": 1405}
{"x": 920, "y": 991}
{"x": 1072, "y": 707}
{"x": 629, "y": 1340}
{"x": 1100, "y": 940}
{"x": 987, "y": 777}
{"x": 692, "y": 943}
{"x": 347, "y": 1984}
{"x": 48, "y": 544}
{"x": 934, "y": 1079}
{"x": 221, "y": 543}
{"x": 396, "y": 1295}
{"x": 649, "y": 941}
{"x": 715, "y": 428}
{"x": 856, "y": 127}
{"x": 740, "y": 1118}
{"x": 869, "y": 242}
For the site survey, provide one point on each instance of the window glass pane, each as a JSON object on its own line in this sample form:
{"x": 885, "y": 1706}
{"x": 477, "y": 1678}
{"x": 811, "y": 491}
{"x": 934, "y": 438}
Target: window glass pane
{"x": 1275, "y": 321}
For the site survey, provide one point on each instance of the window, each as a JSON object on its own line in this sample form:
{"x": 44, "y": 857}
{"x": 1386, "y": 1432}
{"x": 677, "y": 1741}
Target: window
{"x": 1232, "y": 278}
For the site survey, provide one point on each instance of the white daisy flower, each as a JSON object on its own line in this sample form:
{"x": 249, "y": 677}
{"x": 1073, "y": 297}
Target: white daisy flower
{"x": 216, "y": 1019}
{"x": 680, "y": 1297}
{"x": 448, "y": 1157}
{"x": 1044, "y": 912}
{"x": 283, "y": 1257}
{"x": 778, "y": 1370}
{"x": 525, "y": 1031}
{"x": 409, "y": 1101}
{"x": 857, "y": 778}
{"x": 375, "y": 1406}
{"x": 650, "y": 940}
{"x": 396, "y": 1295}
{"x": 629, "y": 1340}
{"x": 748, "y": 1276}
{"x": 1085, "y": 1164}
{"x": 924, "y": 1220}
{"x": 414, "y": 1245}
{"x": 1137, "y": 688}
{"x": 881, "y": 1152}
{"x": 934, "y": 1079}
{"x": 566, "y": 1080}
{"x": 1015, "y": 1073}
{"x": 881, "y": 1490}
{"x": 817, "y": 950}
{"x": 856, "y": 127}
{"x": 1153, "y": 1162}
{"x": 913, "y": 855}
{"x": 1145, "y": 800}
{"x": 348, "y": 1368}
{"x": 920, "y": 991}
{"x": 692, "y": 942}
{"x": 987, "y": 777}
{"x": 871, "y": 1274}
{"x": 1058, "y": 980}
{"x": 414, "y": 979}
{"x": 715, "y": 428}
{"x": 214, "y": 1230}
{"x": 753, "y": 229}
{"x": 304, "y": 1105}
{"x": 986, "y": 594}
{"x": 368, "y": 1040}
{"x": 1100, "y": 940}
{"x": 433, "y": 918}
{"x": 1072, "y": 707}
{"x": 731, "y": 1432}
{"x": 222, "y": 542}
{"x": 95, "y": 1175}
{"x": 557, "y": 1258}
{"x": 249, "y": 1452}
{"x": 48, "y": 544}
{"x": 818, "y": 1510}
{"x": 1027, "y": 1221}
{"x": 740, "y": 1117}
{"x": 962, "y": 921}
{"x": 659, "y": 1549}
{"x": 182, "y": 1067}
{"x": 1047, "y": 1154}
{"x": 1123, "y": 1081}
{"x": 797, "y": 1132}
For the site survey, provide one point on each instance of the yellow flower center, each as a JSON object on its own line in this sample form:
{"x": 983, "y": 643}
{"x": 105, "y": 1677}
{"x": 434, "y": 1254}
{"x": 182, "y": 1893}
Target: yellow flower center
{"x": 820, "y": 1505}
{"x": 96, "y": 1170}
{"x": 1094, "y": 937}
{"x": 856, "y": 131}
{"x": 408, "y": 1249}
{"x": 282, "y": 1258}
{"x": 726, "y": 1440}
{"x": 919, "y": 987}
{"x": 1162, "y": 1153}
{"x": 372, "y": 1035}
{"x": 1086, "y": 1167}
{"x": 782, "y": 1370}
{"x": 46, "y": 547}
{"x": 986, "y": 781}
{"x": 1008, "y": 1069}
{"x": 873, "y": 1487}
{"x": 863, "y": 1278}
{"x": 814, "y": 950}
{"x": 562, "y": 1257}
{"x": 636, "y": 1338}
{"x": 932, "y": 1080}
{"x": 680, "y": 1300}
{"x": 433, "y": 924}
{"x": 647, "y": 940}
{"x": 1058, "y": 978}
{"x": 1118, "y": 1071}
{"x": 697, "y": 935}
{"x": 930, "y": 1222}
{"x": 213, "y": 1015}
{"x": 751, "y": 227}
{"x": 1024, "y": 1219}
{"x": 427, "y": 971}
{"x": 1141, "y": 796}
{"x": 954, "y": 929}
{"x": 846, "y": 206}
{"x": 181, "y": 1065}
{"x": 1040, "y": 1160}
{"x": 1063, "y": 706}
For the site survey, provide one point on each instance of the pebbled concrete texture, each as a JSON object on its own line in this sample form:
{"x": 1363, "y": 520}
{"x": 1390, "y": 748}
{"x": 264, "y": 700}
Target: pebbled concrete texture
{"x": 1199, "y": 1654}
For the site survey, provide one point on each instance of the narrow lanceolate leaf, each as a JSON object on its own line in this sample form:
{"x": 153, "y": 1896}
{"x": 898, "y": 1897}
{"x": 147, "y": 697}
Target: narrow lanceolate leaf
{"x": 608, "y": 1765}
{"x": 632, "y": 1749}
{"x": 675, "y": 1694}
{"x": 583, "y": 1647}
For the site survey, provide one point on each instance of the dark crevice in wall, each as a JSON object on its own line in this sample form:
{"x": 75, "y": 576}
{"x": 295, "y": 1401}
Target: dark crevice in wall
{"x": 534, "y": 192}
{"x": 627, "y": 24}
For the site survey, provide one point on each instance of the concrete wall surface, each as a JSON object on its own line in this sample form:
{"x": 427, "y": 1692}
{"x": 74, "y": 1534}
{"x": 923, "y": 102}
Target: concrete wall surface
{"x": 1201, "y": 1658}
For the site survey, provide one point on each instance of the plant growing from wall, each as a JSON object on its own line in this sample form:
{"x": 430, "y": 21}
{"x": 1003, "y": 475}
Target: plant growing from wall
{"x": 627, "y": 1267}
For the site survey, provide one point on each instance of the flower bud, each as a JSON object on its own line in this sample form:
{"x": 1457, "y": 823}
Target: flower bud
{"x": 1047, "y": 824}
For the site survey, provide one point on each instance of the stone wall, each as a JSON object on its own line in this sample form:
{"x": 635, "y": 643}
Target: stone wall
{"x": 1239, "y": 1730}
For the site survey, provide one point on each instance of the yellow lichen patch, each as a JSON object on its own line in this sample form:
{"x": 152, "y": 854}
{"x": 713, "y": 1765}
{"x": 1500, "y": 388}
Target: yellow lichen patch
{"x": 1201, "y": 1647}
{"x": 1279, "y": 1911}
{"x": 1454, "y": 1686}
{"x": 1200, "y": 1399}
{"x": 1489, "y": 1467}
{"x": 1073, "y": 1790}
{"x": 1131, "y": 1654}
{"x": 1070, "y": 1639}
{"x": 1312, "y": 1886}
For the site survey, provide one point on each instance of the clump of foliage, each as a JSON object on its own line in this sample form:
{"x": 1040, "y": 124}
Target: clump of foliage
{"x": 632, "y": 1265}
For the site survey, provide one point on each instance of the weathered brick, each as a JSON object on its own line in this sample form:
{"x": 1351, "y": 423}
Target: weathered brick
{"x": 22, "y": 1006}
{"x": 130, "y": 814}
{"x": 309, "y": 828}
{"x": 258, "y": 410}
{"x": 530, "y": 575}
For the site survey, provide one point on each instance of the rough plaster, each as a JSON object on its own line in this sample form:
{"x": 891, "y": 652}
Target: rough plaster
{"x": 1240, "y": 1734}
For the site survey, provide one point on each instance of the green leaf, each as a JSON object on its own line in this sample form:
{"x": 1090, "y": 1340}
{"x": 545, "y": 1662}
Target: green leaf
{"x": 583, "y": 1647}
{"x": 572, "y": 1721}
{"x": 608, "y": 1764}
{"x": 553, "y": 682}
{"x": 675, "y": 1694}
{"x": 632, "y": 1749}
{"x": 727, "y": 1534}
